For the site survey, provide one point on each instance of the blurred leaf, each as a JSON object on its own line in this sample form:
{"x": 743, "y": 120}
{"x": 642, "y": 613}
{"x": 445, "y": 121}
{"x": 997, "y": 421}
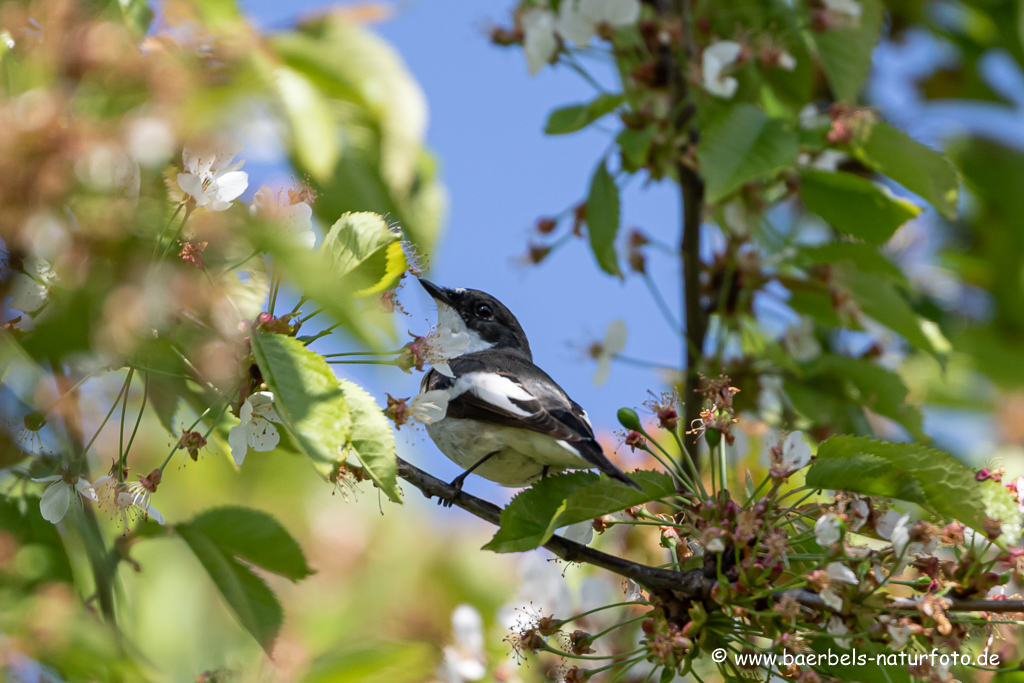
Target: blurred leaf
{"x": 137, "y": 15}
{"x": 846, "y": 53}
{"x": 363, "y": 248}
{"x": 876, "y": 388}
{"x": 906, "y": 471}
{"x": 816, "y": 302}
{"x": 635, "y": 146}
{"x": 382, "y": 111}
{"x": 864, "y": 257}
{"x": 854, "y": 205}
{"x": 531, "y": 518}
{"x": 578, "y": 116}
{"x": 925, "y": 172}
{"x": 309, "y": 397}
{"x": 253, "y": 536}
{"x": 378, "y": 663}
{"x": 742, "y": 146}
{"x": 371, "y": 439}
{"x": 255, "y": 605}
{"x": 885, "y": 303}
{"x": 603, "y": 219}
{"x": 314, "y": 130}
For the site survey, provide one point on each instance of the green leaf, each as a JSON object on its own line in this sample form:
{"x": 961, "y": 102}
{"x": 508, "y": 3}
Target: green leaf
{"x": 372, "y": 439}
{"x": 635, "y": 146}
{"x": 25, "y": 529}
{"x": 906, "y": 471}
{"x": 314, "y": 130}
{"x": 874, "y": 387}
{"x": 603, "y": 219}
{"x": 255, "y": 605}
{"x": 864, "y": 257}
{"x": 308, "y": 396}
{"x": 578, "y": 116}
{"x": 366, "y": 251}
{"x": 253, "y": 536}
{"x": 742, "y": 146}
{"x": 854, "y": 205}
{"x": 531, "y": 518}
{"x": 925, "y": 172}
{"x": 845, "y": 53}
{"x": 884, "y": 302}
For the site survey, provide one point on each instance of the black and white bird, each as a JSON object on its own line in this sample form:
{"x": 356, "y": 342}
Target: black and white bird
{"x": 506, "y": 419}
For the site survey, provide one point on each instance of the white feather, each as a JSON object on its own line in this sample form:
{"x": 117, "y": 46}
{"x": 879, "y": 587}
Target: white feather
{"x": 493, "y": 389}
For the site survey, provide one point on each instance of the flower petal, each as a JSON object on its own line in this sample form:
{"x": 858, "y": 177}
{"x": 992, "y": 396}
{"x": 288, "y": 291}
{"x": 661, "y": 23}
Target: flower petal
{"x": 155, "y": 514}
{"x": 86, "y": 490}
{"x": 262, "y": 435}
{"x": 444, "y": 369}
{"x": 231, "y": 185}
{"x": 55, "y": 502}
{"x": 539, "y": 41}
{"x": 574, "y": 25}
{"x": 27, "y": 294}
{"x": 192, "y": 184}
{"x": 429, "y": 407}
{"x": 238, "y": 443}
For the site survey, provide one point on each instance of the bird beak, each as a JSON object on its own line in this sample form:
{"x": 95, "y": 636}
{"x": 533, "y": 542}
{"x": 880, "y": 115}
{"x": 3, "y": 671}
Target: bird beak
{"x": 437, "y": 293}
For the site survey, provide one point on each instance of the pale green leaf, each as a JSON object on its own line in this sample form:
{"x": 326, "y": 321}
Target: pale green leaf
{"x": 372, "y": 439}
{"x": 314, "y": 130}
{"x": 742, "y": 146}
{"x": 603, "y": 219}
{"x": 883, "y": 301}
{"x": 308, "y": 396}
{"x": 365, "y": 251}
{"x": 906, "y": 471}
{"x": 855, "y": 205}
{"x": 578, "y": 116}
{"x": 378, "y": 663}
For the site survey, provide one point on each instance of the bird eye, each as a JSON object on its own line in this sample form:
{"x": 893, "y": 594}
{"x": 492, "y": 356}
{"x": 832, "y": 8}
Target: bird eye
{"x": 484, "y": 311}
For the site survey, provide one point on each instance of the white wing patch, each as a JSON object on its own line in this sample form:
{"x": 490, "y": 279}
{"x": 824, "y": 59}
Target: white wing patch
{"x": 586, "y": 418}
{"x": 493, "y": 389}
{"x": 569, "y": 447}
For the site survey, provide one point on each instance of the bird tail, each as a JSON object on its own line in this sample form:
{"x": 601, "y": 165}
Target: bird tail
{"x": 594, "y": 454}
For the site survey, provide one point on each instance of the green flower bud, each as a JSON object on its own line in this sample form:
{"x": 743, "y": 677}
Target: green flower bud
{"x": 629, "y": 419}
{"x": 712, "y": 436}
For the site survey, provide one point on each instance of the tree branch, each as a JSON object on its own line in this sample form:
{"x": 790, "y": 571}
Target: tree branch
{"x": 691, "y": 187}
{"x": 690, "y": 584}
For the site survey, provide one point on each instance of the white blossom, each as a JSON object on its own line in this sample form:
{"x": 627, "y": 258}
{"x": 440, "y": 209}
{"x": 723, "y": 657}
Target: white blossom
{"x": 800, "y": 342}
{"x": 837, "y": 573}
{"x": 29, "y": 288}
{"x": 786, "y": 62}
{"x": 714, "y": 61}
{"x": 836, "y": 627}
{"x": 795, "y": 453}
{"x": 857, "y": 513}
{"x": 886, "y": 524}
{"x": 613, "y": 343}
{"x": 581, "y": 532}
{"x": 539, "y": 40}
{"x": 126, "y": 500}
{"x": 898, "y": 635}
{"x": 210, "y": 177}
{"x": 827, "y": 530}
{"x": 578, "y": 20}
{"x": 429, "y": 406}
{"x": 464, "y": 660}
{"x": 296, "y": 219}
{"x": 255, "y": 429}
{"x": 62, "y": 489}
{"x": 633, "y": 592}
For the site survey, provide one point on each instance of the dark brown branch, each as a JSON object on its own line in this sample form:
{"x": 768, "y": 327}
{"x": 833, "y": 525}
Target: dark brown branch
{"x": 690, "y": 585}
{"x": 691, "y": 188}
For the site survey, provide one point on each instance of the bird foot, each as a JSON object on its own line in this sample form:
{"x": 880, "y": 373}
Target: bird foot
{"x": 456, "y": 483}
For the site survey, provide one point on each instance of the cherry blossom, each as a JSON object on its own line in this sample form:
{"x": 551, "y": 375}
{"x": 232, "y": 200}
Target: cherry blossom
{"x": 296, "y": 218}
{"x": 255, "y": 429}
{"x": 579, "y": 20}
{"x": 210, "y": 178}
{"x": 714, "y": 61}
{"x": 539, "y": 40}
{"x": 56, "y": 499}
{"x": 603, "y": 352}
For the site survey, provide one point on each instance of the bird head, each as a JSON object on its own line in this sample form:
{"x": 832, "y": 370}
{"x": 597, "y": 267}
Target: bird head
{"x": 488, "y": 322}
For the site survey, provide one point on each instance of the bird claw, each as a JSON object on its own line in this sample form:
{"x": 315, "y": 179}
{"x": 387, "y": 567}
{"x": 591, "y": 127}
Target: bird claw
{"x": 447, "y": 502}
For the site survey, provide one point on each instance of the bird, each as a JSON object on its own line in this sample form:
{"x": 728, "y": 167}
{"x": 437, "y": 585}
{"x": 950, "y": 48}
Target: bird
{"x": 506, "y": 419}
